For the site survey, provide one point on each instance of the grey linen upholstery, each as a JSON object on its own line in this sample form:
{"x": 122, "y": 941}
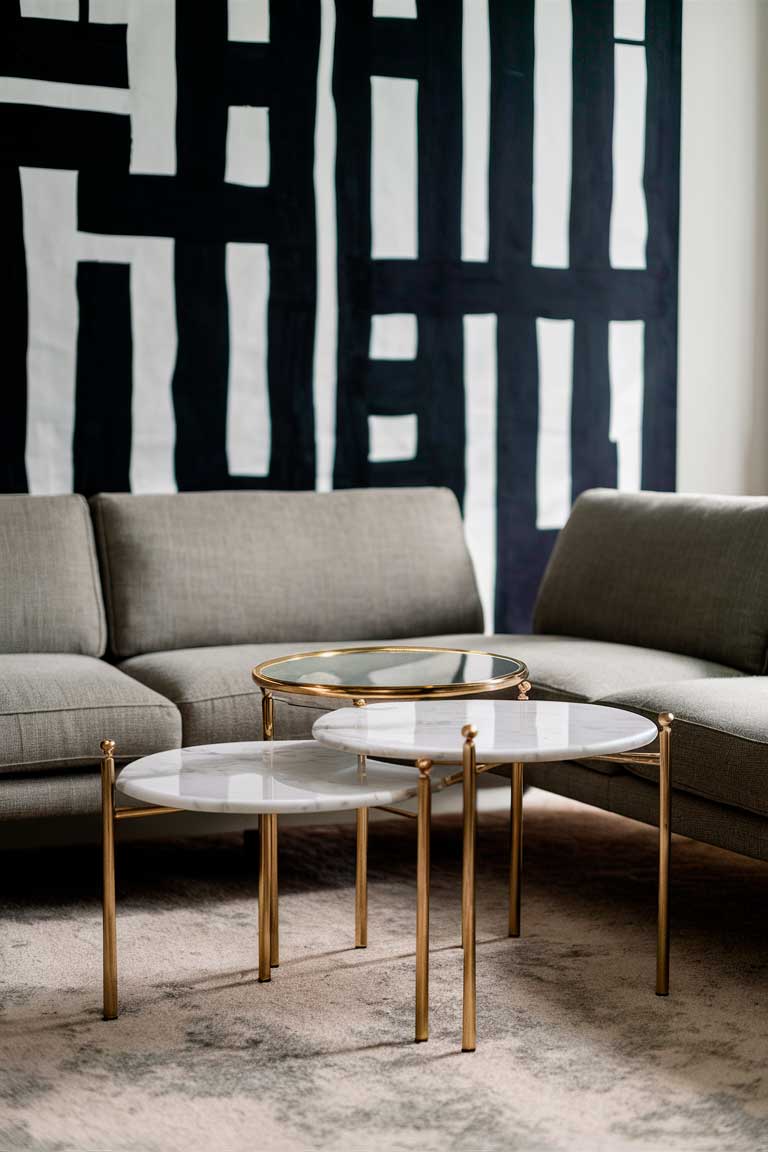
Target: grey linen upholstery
{"x": 55, "y": 710}
{"x": 568, "y": 668}
{"x": 213, "y": 689}
{"x": 627, "y": 795}
{"x": 719, "y": 738}
{"x": 30, "y": 795}
{"x": 685, "y": 573}
{"x": 197, "y": 569}
{"x": 50, "y": 596}
{"x": 216, "y": 696}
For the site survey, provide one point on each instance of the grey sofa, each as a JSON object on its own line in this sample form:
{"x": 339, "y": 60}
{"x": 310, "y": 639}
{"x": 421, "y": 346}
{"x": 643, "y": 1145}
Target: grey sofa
{"x": 145, "y": 630}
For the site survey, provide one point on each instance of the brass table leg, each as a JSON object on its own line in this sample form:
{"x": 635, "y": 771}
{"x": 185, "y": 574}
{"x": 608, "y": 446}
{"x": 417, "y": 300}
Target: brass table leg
{"x": 361, "y": 879}
{"x": 109, "y": 925}
{"x": 422, "y": 900}
{"x": 516, "y": 849}
{"x": 469, "y": 1014}
{"x": 274, "y": 928}
{"x": 361, "y": 860}
{"x": 268, "y": 726}
{"x": 265, "y": 897}
{"x": 665, "y": 836}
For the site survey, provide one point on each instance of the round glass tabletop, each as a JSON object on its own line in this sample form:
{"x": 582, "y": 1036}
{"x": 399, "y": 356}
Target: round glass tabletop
{"x": 390, "y": 672}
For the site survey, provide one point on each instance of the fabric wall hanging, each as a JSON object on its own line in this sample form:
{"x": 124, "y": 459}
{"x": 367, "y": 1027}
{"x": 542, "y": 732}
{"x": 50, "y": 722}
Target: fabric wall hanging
{"x": 316, "y": 244}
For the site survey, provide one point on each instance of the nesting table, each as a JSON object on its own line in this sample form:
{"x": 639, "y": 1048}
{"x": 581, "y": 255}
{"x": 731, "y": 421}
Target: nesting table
{"x": 363, "y": 675}
{"x": 265, "y": 777}
{"x": 486, "y": 733}
{"x": 430, "y": 726}
{"x": 203, "y": 779}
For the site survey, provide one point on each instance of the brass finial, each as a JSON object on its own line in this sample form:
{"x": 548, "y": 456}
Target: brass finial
{"x": 665, "y": 719}
{"x": 108, "y": 747}
{"x": 469, "y": 732}
{"x": 424, "y": 767}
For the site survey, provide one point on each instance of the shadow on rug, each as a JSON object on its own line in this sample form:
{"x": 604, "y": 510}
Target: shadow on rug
{"x": 574, "y": 1049}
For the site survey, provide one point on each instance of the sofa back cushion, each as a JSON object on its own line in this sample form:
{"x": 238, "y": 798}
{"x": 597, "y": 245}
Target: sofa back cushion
{"x": 50, "y": 597}
{"x": 661, "y": 570}
{"x": 201, "y": 568}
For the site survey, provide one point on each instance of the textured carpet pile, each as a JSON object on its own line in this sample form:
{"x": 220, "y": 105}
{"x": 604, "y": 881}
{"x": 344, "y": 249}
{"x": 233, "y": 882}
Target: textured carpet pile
{"x": 574, "y": 1050}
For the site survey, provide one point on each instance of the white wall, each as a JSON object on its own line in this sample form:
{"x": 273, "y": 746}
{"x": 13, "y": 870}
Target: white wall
{"x": 723, "y": 339}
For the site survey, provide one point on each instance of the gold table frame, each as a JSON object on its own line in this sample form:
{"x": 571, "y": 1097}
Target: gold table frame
{"x": 469, "y": 770}
{"x": 360, "y": 695}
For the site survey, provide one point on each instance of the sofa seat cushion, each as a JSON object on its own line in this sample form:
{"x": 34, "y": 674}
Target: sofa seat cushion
{"x": 719, "y": 737}
{"x": 216, "y": 696}
{"x": 218, "y": 700}
{"x": 213, "y": 689}
{"x": 56, "y": 709}
{"x": 569, "y": 668}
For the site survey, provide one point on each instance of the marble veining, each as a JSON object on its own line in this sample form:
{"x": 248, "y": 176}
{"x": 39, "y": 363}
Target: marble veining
{"x": 266, "y": 776}
{"x": 507, "y": 730}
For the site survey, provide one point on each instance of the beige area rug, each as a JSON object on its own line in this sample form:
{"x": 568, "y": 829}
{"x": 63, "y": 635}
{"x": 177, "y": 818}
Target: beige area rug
{"x": 575, "y": 1051}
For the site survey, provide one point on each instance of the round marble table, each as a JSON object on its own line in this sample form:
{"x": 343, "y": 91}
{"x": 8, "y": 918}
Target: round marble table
{"x": 265, "y": 777}
{"x": 507, "y": 731}
{"x": 280, "y": 776}
{"x": 480, "y": 734}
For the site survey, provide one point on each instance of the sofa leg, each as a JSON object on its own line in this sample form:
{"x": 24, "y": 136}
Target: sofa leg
{"x": 665, "y": 837}
{"x": 109, "y": 925}
{"x": 516, "y": 849}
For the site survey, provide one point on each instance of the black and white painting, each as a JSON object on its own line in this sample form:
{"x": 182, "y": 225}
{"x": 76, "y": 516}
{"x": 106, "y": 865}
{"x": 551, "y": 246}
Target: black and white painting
{"x": 334, "y": 243}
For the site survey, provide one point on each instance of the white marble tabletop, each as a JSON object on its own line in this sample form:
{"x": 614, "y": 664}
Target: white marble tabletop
{"x": 507, "y": 730}
{"x": 270, "y": 776}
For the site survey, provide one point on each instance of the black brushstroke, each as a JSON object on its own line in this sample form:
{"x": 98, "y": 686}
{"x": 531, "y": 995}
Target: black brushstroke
{"x": 101, "y": 446}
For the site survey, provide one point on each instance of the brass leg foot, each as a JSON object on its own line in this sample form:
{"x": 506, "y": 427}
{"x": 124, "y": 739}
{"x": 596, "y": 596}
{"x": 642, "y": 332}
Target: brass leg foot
{"x": 469, "y": 1013}
{"x": 665, "y": 838}
{"x": 422, "y": 900}
{"x": 516, "y": 849}
{"x": 109, "y": 922}
{"x": 265, "y": 898}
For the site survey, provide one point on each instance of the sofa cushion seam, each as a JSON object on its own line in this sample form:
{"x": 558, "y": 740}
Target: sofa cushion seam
{"x": 108, "y": 590}
{"x": 213, "y": 699}
{"x": 552, "y": 688}
{"x": 63, "y": 761}
{"x": 93, "y": 564}
{"x": 165, "y": 705}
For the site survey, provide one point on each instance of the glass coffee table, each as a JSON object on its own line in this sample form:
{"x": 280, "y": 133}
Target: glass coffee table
{"x": 361, "y": 676}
